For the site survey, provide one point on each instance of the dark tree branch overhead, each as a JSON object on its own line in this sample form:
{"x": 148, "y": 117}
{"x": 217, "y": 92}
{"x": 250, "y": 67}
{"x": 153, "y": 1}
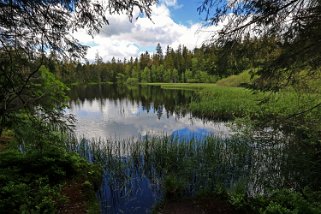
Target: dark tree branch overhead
{"x": 295, "y": 62}
{"x": 22, "y": 22}
{"x": 297, "y": 24}
{"x": 30, "y": 29}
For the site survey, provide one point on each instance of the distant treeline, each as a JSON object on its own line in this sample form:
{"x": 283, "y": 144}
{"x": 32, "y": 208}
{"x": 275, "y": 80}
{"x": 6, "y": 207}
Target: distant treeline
{"x": 205, "y": 64}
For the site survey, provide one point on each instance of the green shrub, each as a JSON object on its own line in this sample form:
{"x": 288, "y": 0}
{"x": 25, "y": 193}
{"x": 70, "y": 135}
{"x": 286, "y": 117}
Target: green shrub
{"x": 287, "y": 201}
{"x": 32, "y": 182}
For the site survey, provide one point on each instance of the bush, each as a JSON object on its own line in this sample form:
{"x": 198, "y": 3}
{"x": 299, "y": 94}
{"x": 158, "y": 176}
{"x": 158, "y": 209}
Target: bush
{"x": 32, "y": 182}
{"x": 289, "y": 201}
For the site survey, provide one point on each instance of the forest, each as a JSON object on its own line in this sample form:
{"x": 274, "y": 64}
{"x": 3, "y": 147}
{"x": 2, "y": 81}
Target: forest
{"x": 206, "y": 64}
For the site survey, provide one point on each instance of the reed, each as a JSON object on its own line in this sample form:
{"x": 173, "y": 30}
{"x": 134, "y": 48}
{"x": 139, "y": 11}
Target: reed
{"x": 203, "y": 166}
{"x": 163, "y": 167}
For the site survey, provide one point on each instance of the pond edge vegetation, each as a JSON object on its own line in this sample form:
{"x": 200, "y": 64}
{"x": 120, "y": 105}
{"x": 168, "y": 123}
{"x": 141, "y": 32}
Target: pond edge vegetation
{"x": 283, "y": 60}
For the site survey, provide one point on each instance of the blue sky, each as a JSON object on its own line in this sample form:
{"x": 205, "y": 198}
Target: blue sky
{"x": 173, "y": 22}
{"x": 185, "y": 12}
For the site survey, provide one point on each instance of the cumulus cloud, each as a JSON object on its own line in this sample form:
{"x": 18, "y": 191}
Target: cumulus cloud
{"x": 119, "y": 25}
{"x": 123, "y": 39}
{"x": 170, "y": 2}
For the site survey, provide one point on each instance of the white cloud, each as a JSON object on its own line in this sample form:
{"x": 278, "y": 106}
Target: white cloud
{"x": 170, "y": 3}
{"x": 124, "y": 39}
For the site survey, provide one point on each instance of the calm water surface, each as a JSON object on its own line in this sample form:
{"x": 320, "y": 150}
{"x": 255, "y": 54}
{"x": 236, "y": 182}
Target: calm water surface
{"x": 121, "y": 113}
{"x": 108, "y": 111}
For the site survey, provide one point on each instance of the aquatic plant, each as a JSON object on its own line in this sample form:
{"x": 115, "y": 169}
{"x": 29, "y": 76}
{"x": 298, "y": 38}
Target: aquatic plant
{"x": 165, "y": 167}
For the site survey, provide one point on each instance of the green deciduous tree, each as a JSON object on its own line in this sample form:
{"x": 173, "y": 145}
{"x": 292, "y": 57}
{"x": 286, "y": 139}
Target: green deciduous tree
{"x": 31, "y": 29}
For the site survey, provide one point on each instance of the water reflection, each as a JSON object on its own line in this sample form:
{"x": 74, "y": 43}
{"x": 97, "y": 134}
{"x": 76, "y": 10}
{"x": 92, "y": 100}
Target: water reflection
{"x": 108, "y": 111}
{"x": 137, "y": 194}
{"x": 135, "y": 173}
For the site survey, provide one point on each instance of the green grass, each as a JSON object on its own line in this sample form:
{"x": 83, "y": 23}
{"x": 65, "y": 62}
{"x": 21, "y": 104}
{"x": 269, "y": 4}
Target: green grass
{"x": 225, "y": 102}
{"x": 286, "y": 111}
{"x": 243, "y": 78}
{"x": 237, "y": 102}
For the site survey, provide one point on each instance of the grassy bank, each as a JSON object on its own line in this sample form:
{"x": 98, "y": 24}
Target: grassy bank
{"x": 232, "y": 102}
{"x": 242, "y": 79}
{"x": 287, "y": 110}
{"x": 225, "y": 103}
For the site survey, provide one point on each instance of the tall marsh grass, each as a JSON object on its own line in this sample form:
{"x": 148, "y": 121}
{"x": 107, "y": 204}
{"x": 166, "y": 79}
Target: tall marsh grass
{"x": 226, "y": 103}
{"x": 164, "y": 167}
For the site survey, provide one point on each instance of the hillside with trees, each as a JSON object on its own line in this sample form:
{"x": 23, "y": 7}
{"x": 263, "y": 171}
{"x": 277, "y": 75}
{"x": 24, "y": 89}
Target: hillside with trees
{"x": 205, "y": 64}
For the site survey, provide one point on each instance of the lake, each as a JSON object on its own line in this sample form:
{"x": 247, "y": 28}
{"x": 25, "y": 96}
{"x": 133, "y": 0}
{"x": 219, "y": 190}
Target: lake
{"x": 121, "y": 128}
{"x": 116, "y": 112}
{"x": 119, "y": 113}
